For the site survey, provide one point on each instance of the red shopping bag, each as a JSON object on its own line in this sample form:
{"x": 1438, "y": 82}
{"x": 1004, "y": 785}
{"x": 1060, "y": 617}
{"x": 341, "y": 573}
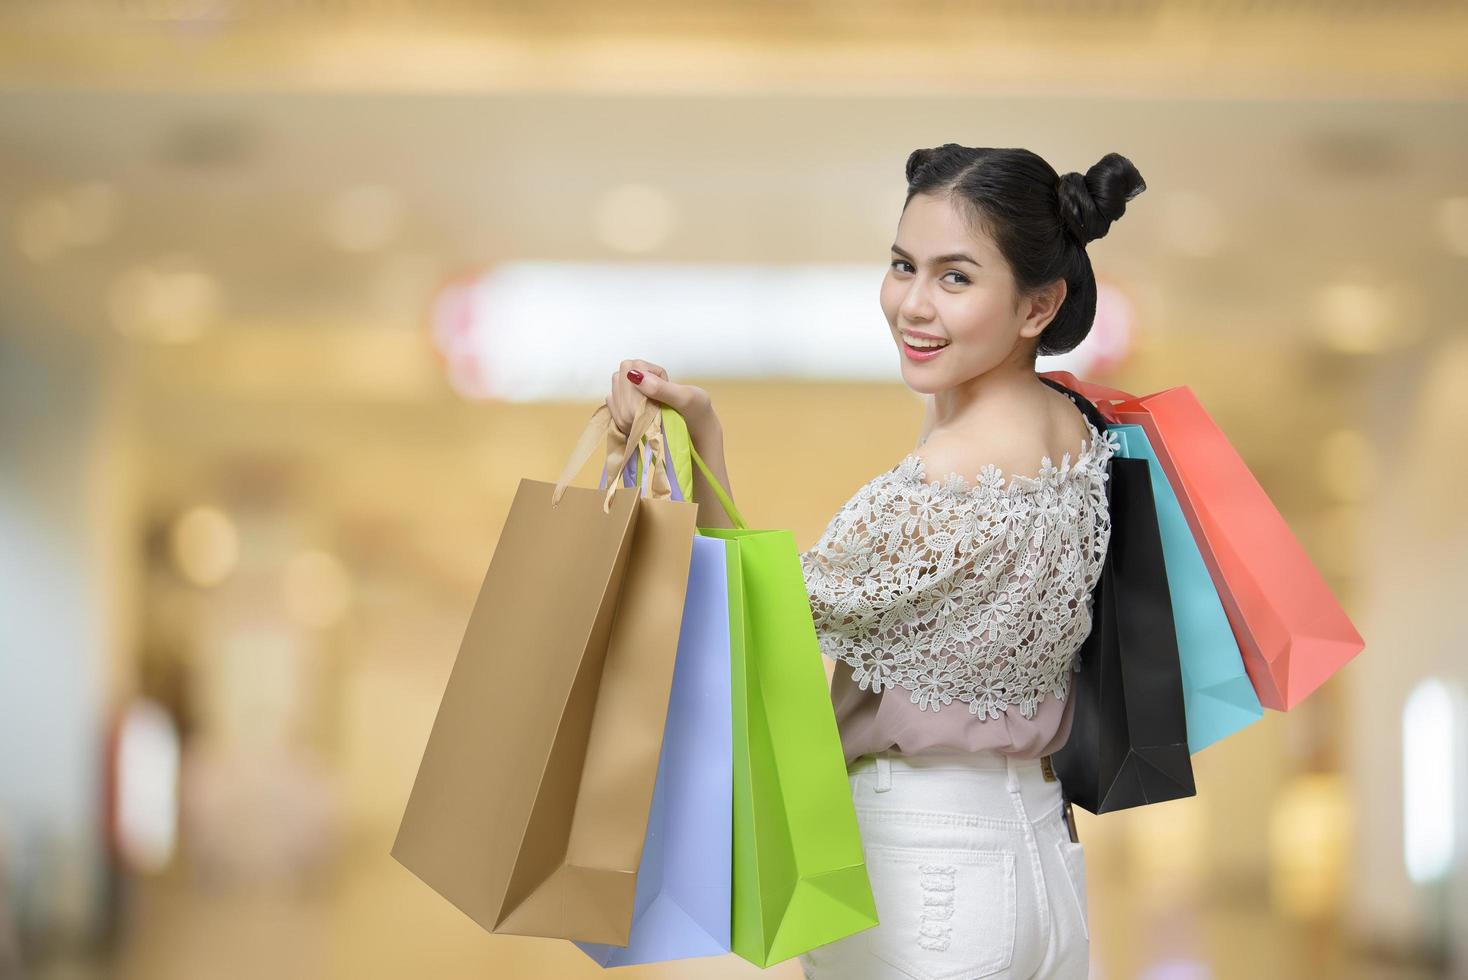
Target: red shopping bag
{"x": 1292, "y": 632}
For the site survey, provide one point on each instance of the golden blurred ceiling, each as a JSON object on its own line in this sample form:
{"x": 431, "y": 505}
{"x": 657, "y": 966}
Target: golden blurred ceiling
{"x": 304, "y": 174}
{"x": 1288, "y": 48}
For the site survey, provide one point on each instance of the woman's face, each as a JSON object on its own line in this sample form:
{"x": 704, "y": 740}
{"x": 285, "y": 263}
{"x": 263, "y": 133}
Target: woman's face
{"x": 948, "y": 280}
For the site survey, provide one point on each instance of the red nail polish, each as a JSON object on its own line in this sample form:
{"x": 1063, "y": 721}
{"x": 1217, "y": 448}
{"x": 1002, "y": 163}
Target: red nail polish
{"x": 635, "y": 377}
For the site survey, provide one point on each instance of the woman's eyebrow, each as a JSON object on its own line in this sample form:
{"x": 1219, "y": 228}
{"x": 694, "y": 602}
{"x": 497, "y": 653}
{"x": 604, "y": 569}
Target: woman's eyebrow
{"x": 951, "y": 257}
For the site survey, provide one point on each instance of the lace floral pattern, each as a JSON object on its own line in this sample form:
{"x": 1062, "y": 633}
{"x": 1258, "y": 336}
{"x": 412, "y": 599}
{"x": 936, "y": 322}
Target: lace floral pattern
{"x": 977, "y": 593}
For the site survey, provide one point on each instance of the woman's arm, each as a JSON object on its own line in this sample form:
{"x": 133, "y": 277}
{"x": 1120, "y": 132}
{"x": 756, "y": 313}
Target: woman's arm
{"x": 708, "y": 439}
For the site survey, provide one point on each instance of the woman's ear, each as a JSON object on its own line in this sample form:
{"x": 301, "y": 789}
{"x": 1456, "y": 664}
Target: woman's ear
{"x": 1045, "y": 307}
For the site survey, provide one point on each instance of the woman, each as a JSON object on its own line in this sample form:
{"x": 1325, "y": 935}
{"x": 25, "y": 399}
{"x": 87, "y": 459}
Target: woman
{"x": 953, "y": 590}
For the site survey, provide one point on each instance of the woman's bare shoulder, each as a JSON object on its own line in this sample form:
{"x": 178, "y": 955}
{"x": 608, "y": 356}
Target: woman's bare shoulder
{"x": 1017, "y": 448}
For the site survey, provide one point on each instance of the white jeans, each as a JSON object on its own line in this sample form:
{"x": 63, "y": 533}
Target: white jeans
{"x": 973, "y": 872}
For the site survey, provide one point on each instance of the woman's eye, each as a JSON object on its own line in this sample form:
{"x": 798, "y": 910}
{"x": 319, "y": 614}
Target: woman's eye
{"x": 899, "y": 264}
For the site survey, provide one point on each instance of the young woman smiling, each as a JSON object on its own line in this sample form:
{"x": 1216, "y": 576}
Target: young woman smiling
{"x": 953, "y": 589}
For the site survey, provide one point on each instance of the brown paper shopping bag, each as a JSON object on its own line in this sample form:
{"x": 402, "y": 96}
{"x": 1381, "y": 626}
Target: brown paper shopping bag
{"x": 530, "y": 806}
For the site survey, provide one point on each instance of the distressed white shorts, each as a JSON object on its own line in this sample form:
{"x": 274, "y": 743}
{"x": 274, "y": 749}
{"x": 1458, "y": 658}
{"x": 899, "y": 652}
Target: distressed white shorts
{"x": 973, "y": 872}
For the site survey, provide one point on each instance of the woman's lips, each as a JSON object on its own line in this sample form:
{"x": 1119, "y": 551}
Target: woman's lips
{"x": 922, "y": 353}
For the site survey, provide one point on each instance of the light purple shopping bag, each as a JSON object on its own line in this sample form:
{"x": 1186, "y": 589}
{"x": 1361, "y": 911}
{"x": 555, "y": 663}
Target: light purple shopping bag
{"x": 682, "y": 907}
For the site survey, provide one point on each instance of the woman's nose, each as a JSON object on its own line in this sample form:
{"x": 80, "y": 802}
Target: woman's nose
{"x": 915, "y": 305}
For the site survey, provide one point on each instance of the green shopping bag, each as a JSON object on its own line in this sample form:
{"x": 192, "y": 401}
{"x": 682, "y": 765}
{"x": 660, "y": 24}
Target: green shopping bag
{"x": 800, "y": 877}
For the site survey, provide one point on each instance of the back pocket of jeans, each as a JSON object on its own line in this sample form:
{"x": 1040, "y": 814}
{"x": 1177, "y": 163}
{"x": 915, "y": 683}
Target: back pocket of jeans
{"x": 943, "y": 914}
{"x": 1073, "y": 857}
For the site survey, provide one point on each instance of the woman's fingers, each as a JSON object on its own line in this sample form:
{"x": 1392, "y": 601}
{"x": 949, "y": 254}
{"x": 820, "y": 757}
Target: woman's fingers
{"x": 646, "y": 367}
{"x": 626, "y": 397}
{"x": 689, "y": 401}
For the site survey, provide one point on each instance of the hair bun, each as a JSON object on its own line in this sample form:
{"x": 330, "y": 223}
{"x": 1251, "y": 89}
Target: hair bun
{"x": 1090, "y": 202}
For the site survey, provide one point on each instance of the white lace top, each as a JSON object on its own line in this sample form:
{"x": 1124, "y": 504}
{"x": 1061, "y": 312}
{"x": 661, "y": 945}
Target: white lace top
{"x": 977, "y": 593}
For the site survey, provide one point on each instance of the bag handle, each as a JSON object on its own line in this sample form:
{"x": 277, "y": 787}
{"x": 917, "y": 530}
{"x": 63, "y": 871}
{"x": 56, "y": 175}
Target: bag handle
{"x": 1101, "y": 395}
{"x": 725, "y": 501}
{"x": 645, "y": 426}
{"x": 719, "y": 490}
{"x": 600, "y": 427}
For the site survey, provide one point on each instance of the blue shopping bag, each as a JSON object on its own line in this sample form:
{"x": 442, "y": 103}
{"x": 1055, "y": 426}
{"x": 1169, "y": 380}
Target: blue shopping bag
{"x": 1217, "y": 693}
{"x": 684, "y": 887}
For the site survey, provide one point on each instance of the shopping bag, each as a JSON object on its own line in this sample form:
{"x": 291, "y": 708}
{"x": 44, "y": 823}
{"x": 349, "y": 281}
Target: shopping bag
{"x": 1217, "y": 692}
{"x": 1128, "y": 744}
{"x": 530, "y": 807}
{"x": 800, "y": 878}
{"x": 1291, "y": 630}
{"x": 682, "y": 906}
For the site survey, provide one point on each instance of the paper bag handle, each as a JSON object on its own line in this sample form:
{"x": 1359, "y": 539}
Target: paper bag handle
{"x": 601, "y": 428}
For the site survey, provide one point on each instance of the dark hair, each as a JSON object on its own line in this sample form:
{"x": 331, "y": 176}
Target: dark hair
{"x": 1040, "y": 220}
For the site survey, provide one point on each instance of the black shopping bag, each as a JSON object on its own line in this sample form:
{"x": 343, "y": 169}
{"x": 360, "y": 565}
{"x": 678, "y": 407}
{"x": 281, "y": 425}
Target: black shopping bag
{"x": 1128, "y": 744}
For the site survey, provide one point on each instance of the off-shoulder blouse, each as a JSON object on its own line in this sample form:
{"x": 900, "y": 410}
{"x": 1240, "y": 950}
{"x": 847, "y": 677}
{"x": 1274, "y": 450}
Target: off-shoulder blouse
{"x": 955, "y": 611}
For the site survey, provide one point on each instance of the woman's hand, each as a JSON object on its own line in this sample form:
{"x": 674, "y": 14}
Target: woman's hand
{"x": 691, "y": 402}
{"x": 636, "y": 377}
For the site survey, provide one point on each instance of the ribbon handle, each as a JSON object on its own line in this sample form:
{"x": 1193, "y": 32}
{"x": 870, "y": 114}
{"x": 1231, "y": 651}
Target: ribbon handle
{"x": 600, "y": 428}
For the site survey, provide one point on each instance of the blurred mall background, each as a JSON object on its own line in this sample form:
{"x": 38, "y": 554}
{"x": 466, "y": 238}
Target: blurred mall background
{"x": 292, "y": 295}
